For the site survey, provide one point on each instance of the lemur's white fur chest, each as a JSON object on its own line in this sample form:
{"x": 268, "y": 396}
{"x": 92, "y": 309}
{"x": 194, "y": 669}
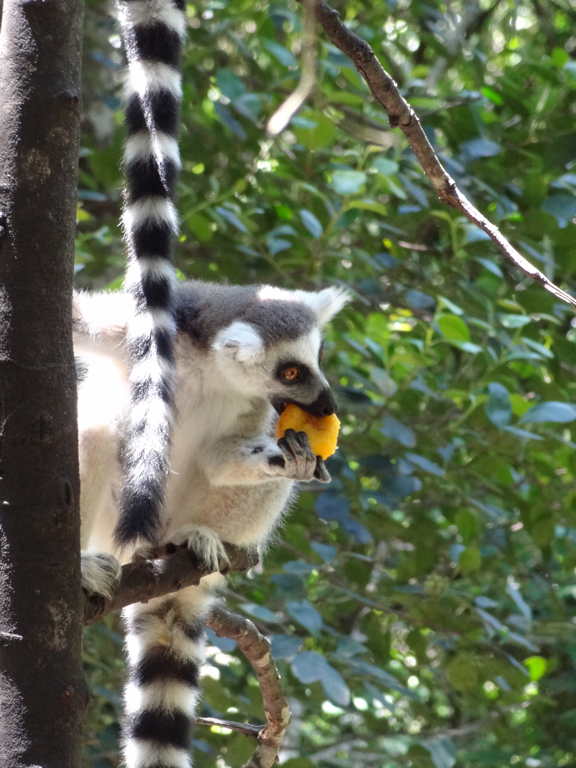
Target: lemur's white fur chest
{"x": 208, "y": 412}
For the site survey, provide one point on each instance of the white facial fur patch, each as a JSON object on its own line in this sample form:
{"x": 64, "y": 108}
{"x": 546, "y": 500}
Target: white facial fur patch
{"x": 242, "y": 342}
{"x": 325, "y": 303}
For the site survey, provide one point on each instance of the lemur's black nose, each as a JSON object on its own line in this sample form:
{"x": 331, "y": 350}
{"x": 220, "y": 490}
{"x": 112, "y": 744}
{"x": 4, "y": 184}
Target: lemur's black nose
{"x": 324, "y": 405}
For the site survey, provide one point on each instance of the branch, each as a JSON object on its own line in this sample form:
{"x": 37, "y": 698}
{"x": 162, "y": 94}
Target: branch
{"x": 246, "y": 728}
{"x": 296, "y": 99}
{"x": 174, "y": 569}
{"x": 402, "y": 115}
{"x": 256, "y": 648}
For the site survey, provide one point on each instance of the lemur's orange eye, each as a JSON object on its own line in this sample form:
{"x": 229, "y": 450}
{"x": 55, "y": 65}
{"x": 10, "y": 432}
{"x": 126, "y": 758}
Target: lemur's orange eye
{"x": 292, "y": 373}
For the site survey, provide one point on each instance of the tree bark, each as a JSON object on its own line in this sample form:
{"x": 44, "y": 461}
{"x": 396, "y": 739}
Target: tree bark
{"x": 42, "y": 692}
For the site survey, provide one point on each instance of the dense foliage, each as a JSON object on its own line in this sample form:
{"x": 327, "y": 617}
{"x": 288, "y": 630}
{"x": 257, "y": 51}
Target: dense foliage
{"x": 421, "y": 607}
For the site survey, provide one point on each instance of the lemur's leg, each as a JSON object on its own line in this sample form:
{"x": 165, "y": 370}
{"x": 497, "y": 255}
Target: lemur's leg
{"x": 251, "y": 461}
{"x": 165, "y": 649}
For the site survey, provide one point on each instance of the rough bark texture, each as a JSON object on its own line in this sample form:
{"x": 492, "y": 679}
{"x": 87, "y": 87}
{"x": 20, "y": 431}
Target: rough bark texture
{"x": 42, "y": 692}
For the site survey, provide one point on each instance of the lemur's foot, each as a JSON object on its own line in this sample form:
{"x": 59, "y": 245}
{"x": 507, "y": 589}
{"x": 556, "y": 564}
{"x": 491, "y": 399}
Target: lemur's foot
{"x": 100, "y": 573}
{"x": 204, "y": 543}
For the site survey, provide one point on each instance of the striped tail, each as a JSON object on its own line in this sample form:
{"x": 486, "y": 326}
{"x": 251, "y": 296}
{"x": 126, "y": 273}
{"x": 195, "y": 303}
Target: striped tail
{"x": 152, "y": 32}
{"x": 165, "y": 651}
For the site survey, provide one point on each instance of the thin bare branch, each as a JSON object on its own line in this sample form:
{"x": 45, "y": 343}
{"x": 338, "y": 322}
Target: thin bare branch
{"x": 402, "y": 115}
{"x": 296, "y": 99}
{"x": 246, "y": 728}
{"x": 256, "y": 648}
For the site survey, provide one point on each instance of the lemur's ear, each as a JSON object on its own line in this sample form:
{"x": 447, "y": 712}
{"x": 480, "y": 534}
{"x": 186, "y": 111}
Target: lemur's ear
{"x": 327, "y": 303}
{"x": 241, "y": 342}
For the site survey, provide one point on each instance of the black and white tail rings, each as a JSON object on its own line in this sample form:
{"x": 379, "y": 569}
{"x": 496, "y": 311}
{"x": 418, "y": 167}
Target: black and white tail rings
{"x": 153, "y": 33}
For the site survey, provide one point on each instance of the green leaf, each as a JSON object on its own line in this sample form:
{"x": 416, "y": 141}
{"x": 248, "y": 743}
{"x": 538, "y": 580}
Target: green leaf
{"x": 229, "y": 84}
{"x": 537, "y": 666}
{"x": 326, "y": 551}
{"x": 551, "y": 411}
{"x": 305, "y": 614}
{"x": 397, "y": 431}
{"x": 481, "y": 148}
{"x": 443, "y": 752}
{"x": 231, "y": 218}
{"x": 348, "y": 182}
{"x": 470, "y": 560}
{"x": 311, "y": 222}
{"x": 562, "y": 206}
{"x": 367, "y": 205}
{"x": 200, "y": 226}
{"x": 285, "y": 646}
{"x": 498, "y": 406}
{"x": 492, "y": 95}
{"x": 514, "y": 321}
{"x": 468, "y": 525}
{"x": 453, "y": 328}
{"x": 315, "y": 131}
{"x": 423, "y": 463}
{"x": 334, "y": 685}
{"x": 281, "y": 54}
{"x": 384, "y": 165}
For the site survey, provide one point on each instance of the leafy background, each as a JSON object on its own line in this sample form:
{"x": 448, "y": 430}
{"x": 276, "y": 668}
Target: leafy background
{"x": 421, "y": 608}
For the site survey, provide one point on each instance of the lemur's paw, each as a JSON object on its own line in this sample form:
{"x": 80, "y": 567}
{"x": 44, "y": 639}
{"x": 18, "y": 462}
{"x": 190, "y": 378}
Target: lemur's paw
{"x": 321, "y": 473}
{"x": 204, "y": 543}
{"x": 100, "y": 573}
{"x": 294, "y": 459}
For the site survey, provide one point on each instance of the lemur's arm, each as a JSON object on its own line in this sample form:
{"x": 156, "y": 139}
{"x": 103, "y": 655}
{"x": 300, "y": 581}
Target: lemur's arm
{"x": 256, "y": 460}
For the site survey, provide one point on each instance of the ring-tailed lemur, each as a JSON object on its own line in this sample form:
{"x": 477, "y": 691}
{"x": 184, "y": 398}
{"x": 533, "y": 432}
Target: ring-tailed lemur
{"x": 225, "y": 359}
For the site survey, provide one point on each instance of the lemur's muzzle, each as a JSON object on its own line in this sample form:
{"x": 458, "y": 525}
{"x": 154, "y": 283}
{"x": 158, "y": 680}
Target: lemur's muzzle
{"x": 324, "y": 405}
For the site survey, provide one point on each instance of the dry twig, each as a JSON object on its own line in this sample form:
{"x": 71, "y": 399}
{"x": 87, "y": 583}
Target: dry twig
{"x": 402, "y": 115}
{"x": 256, "y": 648}
{"x": 175, "y": 569}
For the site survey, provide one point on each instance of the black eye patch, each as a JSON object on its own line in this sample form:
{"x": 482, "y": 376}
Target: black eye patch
{"x": 291, "y": 372}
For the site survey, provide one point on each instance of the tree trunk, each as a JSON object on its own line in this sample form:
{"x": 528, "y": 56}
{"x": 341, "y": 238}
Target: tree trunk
{"x": 42, "y": 692}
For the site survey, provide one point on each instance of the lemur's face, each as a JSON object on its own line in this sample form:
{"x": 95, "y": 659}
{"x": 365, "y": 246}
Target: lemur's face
{"x": 296, "y": 376}
{"x": 279, "y": 367}
{"x": 285, "y": 372}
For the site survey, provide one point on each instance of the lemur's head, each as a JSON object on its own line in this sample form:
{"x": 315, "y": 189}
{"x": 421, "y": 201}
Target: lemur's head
{"x": 274, "y": 350}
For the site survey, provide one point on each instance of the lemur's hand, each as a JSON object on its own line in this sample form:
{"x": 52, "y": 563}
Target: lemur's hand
{"x": 295, "y": 460}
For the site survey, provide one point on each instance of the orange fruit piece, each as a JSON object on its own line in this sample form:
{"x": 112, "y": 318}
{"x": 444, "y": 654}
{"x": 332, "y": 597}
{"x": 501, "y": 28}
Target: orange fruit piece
{"x": 322, "y": 431}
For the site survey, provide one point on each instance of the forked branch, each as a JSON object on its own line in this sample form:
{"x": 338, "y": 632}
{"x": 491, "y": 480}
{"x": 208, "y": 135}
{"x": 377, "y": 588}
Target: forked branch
{"x": 175, "y": 569}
